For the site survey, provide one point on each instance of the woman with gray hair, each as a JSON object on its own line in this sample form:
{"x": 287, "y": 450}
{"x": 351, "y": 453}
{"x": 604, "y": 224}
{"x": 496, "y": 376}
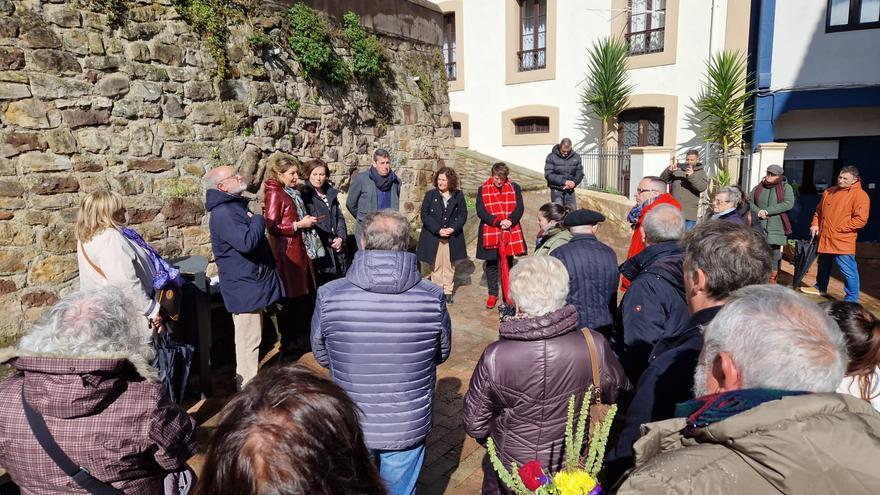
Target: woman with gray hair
{"x": 83, "y": 384}
{"x": 728, "y": 205}
{"x": 520, "y": 388}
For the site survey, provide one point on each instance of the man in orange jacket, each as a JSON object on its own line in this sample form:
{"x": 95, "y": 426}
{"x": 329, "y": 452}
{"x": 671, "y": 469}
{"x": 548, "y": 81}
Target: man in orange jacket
{"x": 841, "y": 213}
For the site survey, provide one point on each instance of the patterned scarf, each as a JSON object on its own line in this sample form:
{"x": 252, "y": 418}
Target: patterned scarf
{"x": 314, "y": 248}
{"x": 165, "y": 273}
{"x": 704, "y": 411}
{"x": 636, "y": 212}
{"x": 500, "y": 203}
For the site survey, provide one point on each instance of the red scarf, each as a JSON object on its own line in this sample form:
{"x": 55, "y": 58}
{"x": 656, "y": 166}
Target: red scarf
{"x": 780, "y": 197}
{"x": 500, "y": 203}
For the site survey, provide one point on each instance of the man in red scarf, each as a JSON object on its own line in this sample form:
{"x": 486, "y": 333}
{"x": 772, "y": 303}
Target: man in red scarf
{"x": 650, "y": 193}
{"x": 500, "y": 208}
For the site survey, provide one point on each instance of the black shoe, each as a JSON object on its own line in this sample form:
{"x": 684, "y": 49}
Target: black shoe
{"x": 448, "y": 298}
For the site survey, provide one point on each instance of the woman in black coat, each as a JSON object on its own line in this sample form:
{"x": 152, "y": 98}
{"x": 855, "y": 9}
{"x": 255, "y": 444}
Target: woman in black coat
{"x": 321, "y": 201}
{"x": 441, "y": 243}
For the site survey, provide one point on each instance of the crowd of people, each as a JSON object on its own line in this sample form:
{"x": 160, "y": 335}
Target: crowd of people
{"x": 725, "y": 381}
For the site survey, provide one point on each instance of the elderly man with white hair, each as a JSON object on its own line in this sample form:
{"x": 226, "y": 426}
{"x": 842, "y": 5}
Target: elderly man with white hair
{"x": 84, "y": 392}
{"x": 521, "y": 385}
{"x": 248, "y": 281}
{"x": 767, "y": 418}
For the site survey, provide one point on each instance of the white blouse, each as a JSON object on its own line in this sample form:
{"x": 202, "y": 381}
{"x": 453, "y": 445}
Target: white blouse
{"x": 850, "y": 385}
{"x": 125, "y": 265}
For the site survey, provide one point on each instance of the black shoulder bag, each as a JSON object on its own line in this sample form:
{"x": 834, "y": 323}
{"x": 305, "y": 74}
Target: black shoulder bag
{"x": 78, "y": 473}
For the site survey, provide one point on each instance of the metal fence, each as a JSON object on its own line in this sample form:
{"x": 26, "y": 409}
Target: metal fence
{"x": 606, "y": 171}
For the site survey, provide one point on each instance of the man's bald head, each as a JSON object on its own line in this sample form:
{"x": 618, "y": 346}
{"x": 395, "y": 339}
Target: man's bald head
{"x": 224, "y": 178}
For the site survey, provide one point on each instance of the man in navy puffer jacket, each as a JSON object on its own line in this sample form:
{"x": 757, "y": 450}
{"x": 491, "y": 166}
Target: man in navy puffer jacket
{"x": 382, "y": 331}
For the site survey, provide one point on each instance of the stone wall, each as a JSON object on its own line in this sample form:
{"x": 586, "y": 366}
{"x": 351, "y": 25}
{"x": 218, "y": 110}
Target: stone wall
{"x": 136, "y": 109}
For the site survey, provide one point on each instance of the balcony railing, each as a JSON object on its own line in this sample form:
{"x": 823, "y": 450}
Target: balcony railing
{"x": 648, "y": 41}
{"x": 532, "y": 59}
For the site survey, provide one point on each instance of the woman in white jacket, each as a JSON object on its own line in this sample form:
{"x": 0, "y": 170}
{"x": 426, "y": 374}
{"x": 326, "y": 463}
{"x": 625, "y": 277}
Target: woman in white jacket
{"x": 861, "y": 331}
{"x": 108, "y": 258}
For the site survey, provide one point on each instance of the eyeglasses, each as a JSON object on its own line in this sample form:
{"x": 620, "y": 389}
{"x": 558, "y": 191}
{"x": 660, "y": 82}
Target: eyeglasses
{"x": 640, "y": 191}
{"x": 719, "y": 201}
{"x": 233, "y": 176}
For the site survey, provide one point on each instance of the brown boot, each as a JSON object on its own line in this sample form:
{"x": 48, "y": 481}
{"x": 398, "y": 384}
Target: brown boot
{"x": 773, "y": 276}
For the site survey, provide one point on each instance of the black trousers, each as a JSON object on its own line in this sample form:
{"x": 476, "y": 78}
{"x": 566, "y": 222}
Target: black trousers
{"x": 295, "y": 322}
{"x": 491, "y": 268}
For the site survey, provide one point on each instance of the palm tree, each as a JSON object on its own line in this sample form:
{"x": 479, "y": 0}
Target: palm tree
{"x": 722, "y": 102}
{"x": 608, "y": 88}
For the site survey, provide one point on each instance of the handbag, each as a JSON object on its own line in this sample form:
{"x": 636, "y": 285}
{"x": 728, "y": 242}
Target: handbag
{"x": 167, "y": 298}
{"x": 79, "y": 474}
{"x": 598, "y": 410}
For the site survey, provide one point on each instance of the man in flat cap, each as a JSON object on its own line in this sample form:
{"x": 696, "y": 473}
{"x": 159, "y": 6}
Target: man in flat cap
{"x": 592, "y": 271}
{"x": 771, "y": 200}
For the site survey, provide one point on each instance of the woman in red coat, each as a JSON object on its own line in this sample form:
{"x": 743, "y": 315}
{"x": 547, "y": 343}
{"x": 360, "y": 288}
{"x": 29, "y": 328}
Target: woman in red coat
{"x": 289, "y": 229}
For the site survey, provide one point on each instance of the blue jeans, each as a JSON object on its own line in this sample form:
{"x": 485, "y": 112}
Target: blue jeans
{"x": 689, "y": 224}
{"x": 400, "y": 469}
{"x": 847, "y": 265}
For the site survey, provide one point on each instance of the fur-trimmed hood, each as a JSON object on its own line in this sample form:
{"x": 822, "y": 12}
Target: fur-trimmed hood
{"x": 68, "y": 387}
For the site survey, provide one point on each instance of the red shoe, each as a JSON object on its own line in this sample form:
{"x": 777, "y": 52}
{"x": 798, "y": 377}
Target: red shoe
{"x": 491, "y": 302}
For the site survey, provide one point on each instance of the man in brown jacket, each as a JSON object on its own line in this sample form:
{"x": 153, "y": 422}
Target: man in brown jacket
{"x": 766, "y": 418}
{"x": 842, "y": 211}
{"x": 687, "y": 181}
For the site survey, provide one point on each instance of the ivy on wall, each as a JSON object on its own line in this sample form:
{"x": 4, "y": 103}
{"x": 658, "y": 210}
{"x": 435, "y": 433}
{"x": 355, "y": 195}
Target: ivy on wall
{"x": 211, "y": 19}
{"x": 312, "y": 46}
{"x": 367, "y": 56}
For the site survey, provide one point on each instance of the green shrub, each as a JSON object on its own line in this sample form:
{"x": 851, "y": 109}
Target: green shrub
{"x": 310, "y": 42}
{"x": 367, "y": 57}
{"x": 258, "y": 40}
{"x": 293, "y": 105}
{"x": 211, "y": 20}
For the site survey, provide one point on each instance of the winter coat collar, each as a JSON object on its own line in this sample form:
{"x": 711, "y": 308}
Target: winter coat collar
{"x": 548, "y": 326}
{"x": 642, "y": 261}
{"x": 216, "y": 197}
{"x": 384, "y": 272}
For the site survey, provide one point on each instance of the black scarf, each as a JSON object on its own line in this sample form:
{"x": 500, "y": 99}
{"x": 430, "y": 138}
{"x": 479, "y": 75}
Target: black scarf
{"x": 382, "y": 183}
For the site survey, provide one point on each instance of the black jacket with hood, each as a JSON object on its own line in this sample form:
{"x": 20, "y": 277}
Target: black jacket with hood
{"x": 558, "y": 169}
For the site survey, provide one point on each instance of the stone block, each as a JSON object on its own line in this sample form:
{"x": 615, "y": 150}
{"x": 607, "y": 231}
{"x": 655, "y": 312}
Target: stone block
{"x": 151, "y": 231}
{"x": 62, "y": 15}
{"x": 75, "y": 41}
{"x": 77, "y": 118}
{"x": 113, "y": 85}
{"x": 11, "y": 58}
{"x": 58, "y": 239}
{"x": 138, "y": 51}
{"x": 211, "y": 112}
{"x": 167, "y": 54}
{"x": 16, "y": 143}
{"x": 92, "y": 184}
{"x": 12, "y": 203}
{"x": 39, "y": 298}
{"x": 13, "y": 91}
{"x": 61, "y": 140}
{"x": 174, "y": 151}
{"x": 47, "y": 186}
{"x": 6, "y": 215}
{"x": 53, "y": 269}
{"x": 141, "y": 140}
{"x": 127, "y": 108}
{"x": 140, "y": 31}
{"x": 153, "y": 165}
{"x": 96, "y": 44}
{"x": 32, "y": 114}
{"x": 146, "y": 71}
{"x": 196, "y": 236}
{"x": 171, "y": 107}
{"x": 198, "y": 90}
{"x": 127, "y": 185}
{"x": 14, "y": 76}
{"x": 232, "y": 90}
{"x": 13, "y": 261}
{"x": 139, "y": 215}
{"x": 16, "y": 234}
{"x": 57, "y": 62}
{"x": 8, "y": 27}
{"x": 106, "y": 62}
{"x": 145, "y": 90}
{"x": 309, "y": 111}
{"x": 179, "y": 211}
{"x": 175, "y": 131}
{"x": 7, "y": 286}
{"x": 35, "y": 161}
{"x": 39, "y": 36}
{"x": 50, "y": 87}
{"x": 35, "y": 217}
{"x": 7, "y": 7}
{"x": 11, "y": 188}
{"x": 93, "y": 140}
{"x": 94, "y": 20}
{"x": 88, "y": 163}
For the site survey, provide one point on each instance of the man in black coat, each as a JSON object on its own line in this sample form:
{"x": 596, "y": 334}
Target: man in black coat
{"x": 720, "y": 257}
{"x": 563, "y": 171}
{"x": 654, "y": 305}
{"x": 592, "y": 271}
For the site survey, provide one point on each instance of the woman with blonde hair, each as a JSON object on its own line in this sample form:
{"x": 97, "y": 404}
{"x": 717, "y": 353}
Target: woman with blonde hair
{"x": 294, "y": 243}
{"x": 109, "y": 254}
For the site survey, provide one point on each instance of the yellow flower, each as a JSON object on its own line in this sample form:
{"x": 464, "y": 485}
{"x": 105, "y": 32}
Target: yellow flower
{"x": 574, "y": 482}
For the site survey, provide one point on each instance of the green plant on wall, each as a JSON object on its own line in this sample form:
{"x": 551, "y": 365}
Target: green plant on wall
{"x": 114, "y": 9}
{"x": 311, "y": 45}
{"x": 179, "y": 188}
{"x": 293, "y": 105}
{"x": 367, "y": 56}
{"x": 259, "y": 41}
{"x": 211, "y": 20}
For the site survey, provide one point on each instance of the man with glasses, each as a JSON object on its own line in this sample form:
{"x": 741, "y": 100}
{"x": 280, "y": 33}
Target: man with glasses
{"x": 248, "y": 281}
{"x": 650, "y": 192}
{"x": 842, "y": 211}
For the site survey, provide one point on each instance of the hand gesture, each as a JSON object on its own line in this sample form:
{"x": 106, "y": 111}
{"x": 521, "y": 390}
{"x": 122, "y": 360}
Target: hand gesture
{"x": 814, "y": 230}
{"x": 446, "y": 232}
{"x": 336, "y": 245}
{"x": 158, "y": 323}
{"x": 505, "y": 224}
{"x": 307, "y": 222}
{"x": 673, "y": 165}
{"x": 569, "y": 184}
{"x": 688, "y": 171}
{"x": 762, "y": 214}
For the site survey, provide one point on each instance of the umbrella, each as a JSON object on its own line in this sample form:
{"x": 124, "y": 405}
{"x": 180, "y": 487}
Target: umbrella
{"x": 172, "y": 360}
{"x": 805, "y": 252}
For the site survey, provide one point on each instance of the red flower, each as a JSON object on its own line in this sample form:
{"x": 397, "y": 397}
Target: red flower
{"x": 530, "y": 473}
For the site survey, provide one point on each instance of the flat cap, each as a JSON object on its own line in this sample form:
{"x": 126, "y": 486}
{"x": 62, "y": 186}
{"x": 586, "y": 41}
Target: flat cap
{"x": 583, "y": 217}
{"x": 775, "y": 170}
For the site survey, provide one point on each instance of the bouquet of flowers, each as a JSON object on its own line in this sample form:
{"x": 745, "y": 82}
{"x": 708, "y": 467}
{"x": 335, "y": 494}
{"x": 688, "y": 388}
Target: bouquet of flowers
{"x": 580, "y": 472}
